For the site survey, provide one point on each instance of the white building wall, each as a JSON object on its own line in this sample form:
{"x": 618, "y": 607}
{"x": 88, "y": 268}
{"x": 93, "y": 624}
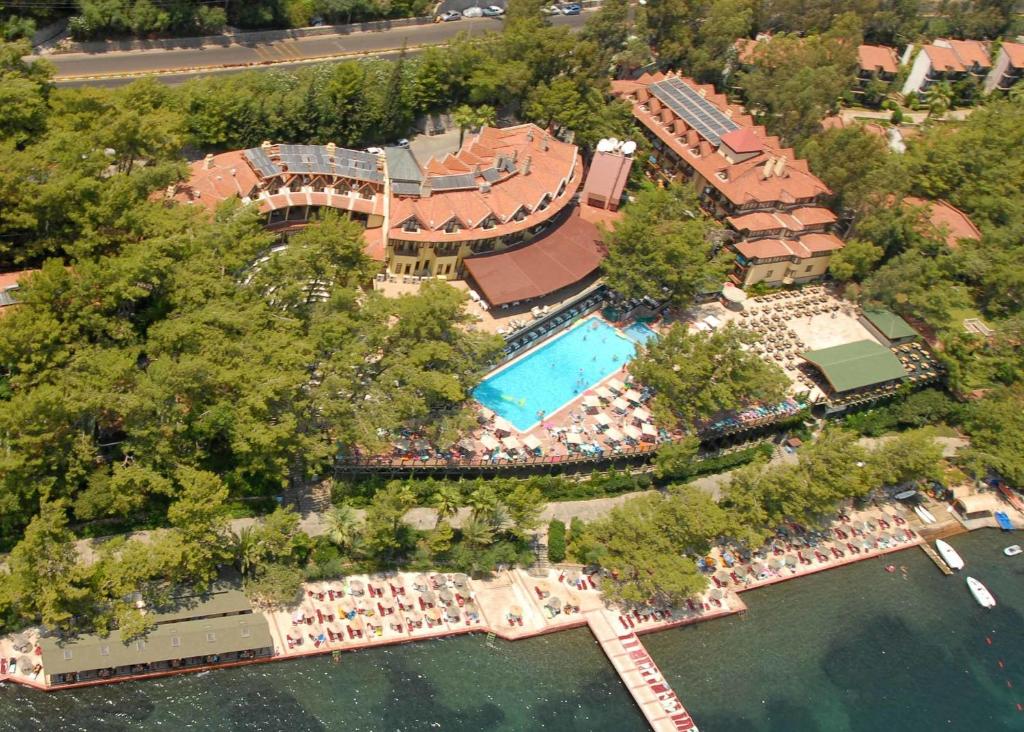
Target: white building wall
{"x": 918, "y": 72}
{"x": 998, "y": 69}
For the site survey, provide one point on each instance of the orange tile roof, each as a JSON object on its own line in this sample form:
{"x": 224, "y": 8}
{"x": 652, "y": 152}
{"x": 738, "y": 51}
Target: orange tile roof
{"x": 947, "y": 218}
{"x": 1015, "y": 51}
{"x": 877, "y": 58}
{"x": 796, "y": 220}
{"x": 743, "y": 140}
{"x": 944, "y": 59}
{"x": 971, "y": 53}
{"x": 803, "y": 247}
{"x": 743, "y": 182}
{"x": 608, "y": 175}
{"x": 219, "y": 177}
{"x": 9, "y": 281}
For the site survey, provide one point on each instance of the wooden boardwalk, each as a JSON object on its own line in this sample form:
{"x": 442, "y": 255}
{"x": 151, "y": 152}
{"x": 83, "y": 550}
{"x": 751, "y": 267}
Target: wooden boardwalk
{"x": 659, "y": 704}
{"x": 934, "y": 556}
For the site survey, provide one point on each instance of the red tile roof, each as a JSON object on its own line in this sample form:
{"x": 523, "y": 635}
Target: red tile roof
{"x": 560, "y": 258}
{"x": 796, "y": 220}
{"x": 877, "y": 58}
{"x": 971, "y": 53}
{"x": 1015, "y": 51}
{"x": 519, "y": 191}
{"x": 803, "y": 247}
{"x": 947, "y": 218}
{"x": 743, "y": 140}
{"x": 9, "y": 282}
{"x": 944, "y": 59}
{"x": 607, "y": 176}
{"x": 750, "y": 181}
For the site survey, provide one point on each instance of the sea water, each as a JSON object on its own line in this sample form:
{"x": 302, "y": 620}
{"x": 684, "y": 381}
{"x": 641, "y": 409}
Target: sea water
{"x": 855, "y": 649}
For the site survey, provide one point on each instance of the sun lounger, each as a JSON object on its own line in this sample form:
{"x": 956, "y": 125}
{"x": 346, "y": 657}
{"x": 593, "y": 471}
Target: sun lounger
{"x": 659, "y": 688}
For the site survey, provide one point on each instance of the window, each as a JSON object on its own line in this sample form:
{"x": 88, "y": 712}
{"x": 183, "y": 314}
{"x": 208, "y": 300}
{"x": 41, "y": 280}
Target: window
{"x": 452, "y": 227}
{"x": 246, "y": 631}
{"x": 769, "y": 273}
{"x": 210, "y": 636}
{"x": 175, "y": 642}
{"x": 488, "y": 223}
{"x": 140, "y": 645}
{"x": 809, "y": 268}
{"x": 411, "y": 225}
{"x": 67, "y": 654}
{"x": 104, "y": 650}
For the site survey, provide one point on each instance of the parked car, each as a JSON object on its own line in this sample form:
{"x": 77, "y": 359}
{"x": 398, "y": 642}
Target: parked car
{"x": 449, "y": 16}
{"x": 551, "y": 10}
{"x": 473, "y": 12}
{"x": 572, "y": 9}
{"x": 403, "y": 143}
{"x": 493, "y": 11}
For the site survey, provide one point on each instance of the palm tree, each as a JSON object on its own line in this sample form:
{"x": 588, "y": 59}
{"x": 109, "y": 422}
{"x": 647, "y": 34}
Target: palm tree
{"x": 1016, "y": 93}
{"x": 484, "y": 502}
{"x": 446, "y": 502}
{"x": 247, "y": 550}
{"x": 341, "y": 526}
{"x": 468, "y": 118}
{"x": 939, "y": 98}
{"x": 477, "y": 533}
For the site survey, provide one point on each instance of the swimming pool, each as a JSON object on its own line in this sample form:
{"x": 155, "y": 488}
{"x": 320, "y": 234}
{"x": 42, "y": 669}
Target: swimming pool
{"x": 640, "y": 332}
{"x": 553, "y": 374}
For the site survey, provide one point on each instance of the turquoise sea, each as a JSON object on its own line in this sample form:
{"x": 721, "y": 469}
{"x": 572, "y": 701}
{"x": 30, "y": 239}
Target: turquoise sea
{"x": 854, "y": 649}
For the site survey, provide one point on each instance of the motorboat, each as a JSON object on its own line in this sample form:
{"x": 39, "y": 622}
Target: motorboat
{"x": 924, "y": 514}
{"x": 981, "y": 593}
{"x": 905, "y": 495}
{"x": 949, "y": 555}
{"x": 1012, "y": 551}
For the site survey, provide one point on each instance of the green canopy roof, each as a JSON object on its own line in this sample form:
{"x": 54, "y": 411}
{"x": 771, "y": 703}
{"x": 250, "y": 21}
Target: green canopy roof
{"x": 856, "y": 365}
{"x": 889, "y": 324}
{"x": 184, "y": 639}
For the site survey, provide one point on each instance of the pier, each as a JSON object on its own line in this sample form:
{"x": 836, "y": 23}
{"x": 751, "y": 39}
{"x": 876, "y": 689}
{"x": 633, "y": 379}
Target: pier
{"x": 934, "y": 556}
{"x": 658, "y": 703}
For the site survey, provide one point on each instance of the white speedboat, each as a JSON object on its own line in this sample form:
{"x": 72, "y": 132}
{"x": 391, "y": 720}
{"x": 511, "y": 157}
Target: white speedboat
{"x": 924, "y": 514}
{"x": 949, "y": 555}
{"x": 905, "y": 495}
{"x": 1012, "y": 551}
{"x": 981, "y": 593}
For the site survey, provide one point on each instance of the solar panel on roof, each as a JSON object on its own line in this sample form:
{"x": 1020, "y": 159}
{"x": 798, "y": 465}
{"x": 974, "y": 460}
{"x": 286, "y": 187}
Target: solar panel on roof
{"x": 708, "y": 120}
{"x": 263, "y": 164}
{"x": 453, "y": 182}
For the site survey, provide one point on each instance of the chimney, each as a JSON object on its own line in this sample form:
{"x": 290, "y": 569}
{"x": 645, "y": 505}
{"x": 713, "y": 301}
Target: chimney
{"x": 529, "y": 135}
{"x": 208, "y": 162}
{"x": 703, "y": 92}
{"x": 485, "y": 187}
{"x": 780, "y": 166}
{"x": 476, "y": 170}
{"x": 170, "y": 190}
{"x": 515, "y": 154}
{"x": 526, "y": 165}
{"x": 544, "y": 145}
{"x": 331, "y": 147}
{"x": 728, "y": 112}
{"x": 265, "y": 146}
{"x": 766, "y": 173}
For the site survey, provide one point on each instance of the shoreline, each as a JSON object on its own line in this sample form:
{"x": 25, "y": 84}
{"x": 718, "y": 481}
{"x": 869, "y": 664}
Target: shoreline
{"x": 498, "y": 592}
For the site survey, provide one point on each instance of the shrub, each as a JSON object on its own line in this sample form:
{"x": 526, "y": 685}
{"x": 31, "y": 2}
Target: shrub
{"x": 897, "y": 116}
{"x": 556, "y": 541}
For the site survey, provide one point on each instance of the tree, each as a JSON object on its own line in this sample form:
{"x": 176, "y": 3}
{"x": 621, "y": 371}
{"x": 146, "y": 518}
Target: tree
{"x": 477, "y": 533}
{"x": 675, "y": 459}
{"x": 43, "y": 580}
{"x": 996, "y": 427}
{"x": 275, "y": 586}
{"x": 918, "y": 285}
{"x": 911, "y": 455}
{"x": 385, "y": 533}
{"x": 856, "y": 260}
{"x": 661, "y": 248}
{"x": 472, "y": 118}
{"x": 696, "y": 376}
{"x": 342, "y": 526}
{"x": 556, "y": 541}
{"x": 446, "y": 501}
{"x": 24, "y": 88}
{"x": 854, "y": 163}
{"x": 524, "y": 505}
{"x": 939, "y": 99}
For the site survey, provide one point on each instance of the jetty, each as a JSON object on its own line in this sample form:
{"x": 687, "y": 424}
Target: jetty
{"x": 934, "y": 556}
{"x": 646, "y": 684}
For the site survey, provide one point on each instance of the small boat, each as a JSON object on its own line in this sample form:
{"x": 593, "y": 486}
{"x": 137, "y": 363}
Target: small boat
{"x": 981, "y": 593}
{"x": 1012, "y": 551}
{"x": 924, "y": 514}
{"x": 905, "y": 495}
{"x": 949, "y": 555}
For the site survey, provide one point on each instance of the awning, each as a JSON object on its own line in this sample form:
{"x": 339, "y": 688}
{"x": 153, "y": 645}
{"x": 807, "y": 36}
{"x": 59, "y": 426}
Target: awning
{"x": 616, "y": 386}
{"x": 632, "y": 432}
{"x": 605, "y": 393}
{"x": 591, "y": 401}
{"x": 573, "y": 439}
{"x": 620, "y": 404}
{"x": 511, "y": 443}
{"x": 531, "y": 442}
{"x": 602, "y": 419}
{"x": 613, "y": 434}
{"x": 632, "y": 396}
{"x": 641, "y": 414}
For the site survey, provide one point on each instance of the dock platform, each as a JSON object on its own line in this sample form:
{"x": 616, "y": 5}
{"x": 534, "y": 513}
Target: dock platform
{"x": 934, "y": 556}
{"x": 658, "y": 703}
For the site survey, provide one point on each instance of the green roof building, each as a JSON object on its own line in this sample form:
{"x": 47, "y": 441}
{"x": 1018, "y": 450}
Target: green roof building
{"x": 888, "y": 327}
{"x": 856, "y": 365}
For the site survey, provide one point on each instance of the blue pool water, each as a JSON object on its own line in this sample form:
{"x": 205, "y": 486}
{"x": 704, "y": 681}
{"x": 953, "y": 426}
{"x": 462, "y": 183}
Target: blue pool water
{"x": 640, "y": 333}
{"x": 551, "y": 375}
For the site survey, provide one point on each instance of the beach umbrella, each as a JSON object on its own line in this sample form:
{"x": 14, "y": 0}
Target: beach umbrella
{"x": 489, "y": 442}
{"x": 740, "y": 570}
{"x": 868, "y": 542}
{"x": 22, "y": 642}
{"x": 544, "y": 588}
{"x": 511, "y": 443}
{"x": 602, "y": 419}
{"x": 515, "y": 611}
{"x": 573, "y": 439}
{"x": 632, "y": 432}
{"x": 590, "y": 401}
{"x": 572, "y": 576}
{"x": 429, "y": 596}
{"x": 641, "y": 414}
{"x": 413, "y": 616}
{"x": 402, "y": 445}
{"x": 616, "y": 386}
{"x": 503, "y": 425}
{"x": 613, "y": 435}
{"x": 722, "y": 576}
{"x": 420, "y": 583}
{"x": 620, "y": 405}
{"x": 790, "y": 560}
{"x": 459, "y": 580}
{"x": 472, "y": 611}
{"x": 486, "y": 414}
{"x": 775, "y": 563}
{"x": 531, "y": 443}
{"x": 632, "y": 395}
{"x": 603, "y": 392}
{"x": 758, "y": 568}
{"x": 716, "y": 594}
{"x": 554, "y": 603}
{"x": 647, "y": 430}
{"x": 355, "y": 587}
{"x": 446, "y": 596}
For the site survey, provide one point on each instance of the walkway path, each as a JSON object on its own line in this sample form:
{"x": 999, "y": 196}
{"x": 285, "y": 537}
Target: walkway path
{"x": 649, "y": 689}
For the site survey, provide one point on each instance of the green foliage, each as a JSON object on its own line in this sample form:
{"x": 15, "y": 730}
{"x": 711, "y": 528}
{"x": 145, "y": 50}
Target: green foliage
{"x": 556, "y": 541}
{"x": 661, "y": 248}
{"x": 854, "y": 163}
{"x": 695, "y": 375}
{"x": 855, "y": 261}
{"x": 275, "y": 586}
{"x": 916, "y": 409}
{"x": 996, "y": 427}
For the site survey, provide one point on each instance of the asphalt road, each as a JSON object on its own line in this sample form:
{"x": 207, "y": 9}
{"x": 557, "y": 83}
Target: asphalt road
{"x": 113, "y": 68}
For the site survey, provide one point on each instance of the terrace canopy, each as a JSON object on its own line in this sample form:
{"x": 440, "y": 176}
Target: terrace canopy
{"x": 856, "y": 365}
{"x": 613, "y": 434}
{"x": 489, "y": 442}
{"x": 641, "y": 414}
{"x": 558, "y": 259}
{"x": 511, "y": 443}
{"x": 531, "y": 442}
